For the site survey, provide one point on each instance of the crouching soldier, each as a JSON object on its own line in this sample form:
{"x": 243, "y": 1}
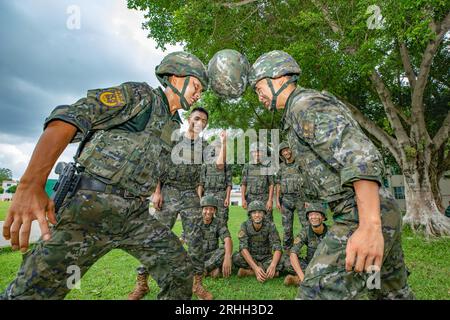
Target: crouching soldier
{"x": 310, "y": 237}
{"x": 259, "y": 246}
{"x": 217, "y": 260}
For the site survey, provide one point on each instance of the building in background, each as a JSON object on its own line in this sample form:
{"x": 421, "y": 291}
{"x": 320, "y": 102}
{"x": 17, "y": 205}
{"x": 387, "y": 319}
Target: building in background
{"x": 5, "y": 196}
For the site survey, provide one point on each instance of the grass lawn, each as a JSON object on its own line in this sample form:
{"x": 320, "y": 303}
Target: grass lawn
{"x": 4, "y": 206}
{"x": 112, "y": 277}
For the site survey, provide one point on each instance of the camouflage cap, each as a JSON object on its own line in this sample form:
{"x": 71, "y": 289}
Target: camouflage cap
{"x": 256, "y": 206}
{"x": 182, "y": 64}
{"x": 228, "y": 73}
{"x": 208, "y": 201}
{"x": 315, "y": 207}
{"x": 273, "y": 65}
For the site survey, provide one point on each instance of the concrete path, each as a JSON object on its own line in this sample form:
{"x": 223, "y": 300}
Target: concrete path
{"x": 34, "y": 235}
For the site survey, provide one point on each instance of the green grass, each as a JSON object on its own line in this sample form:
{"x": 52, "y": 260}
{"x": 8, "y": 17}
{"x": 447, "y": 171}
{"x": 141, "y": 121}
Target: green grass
{"x": 112, "y": 277}
{"x": 4, "y": 206}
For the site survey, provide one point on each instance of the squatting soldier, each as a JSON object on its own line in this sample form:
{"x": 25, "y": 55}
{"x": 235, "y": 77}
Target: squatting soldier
{"x": 310, "y": 236}
{"x": 218, "y": 260}
{"x": 289, "y": 195}
{"x": 344, "y": 169}
{"x": 257, "y": 182}
{"x": 259, "y": 246}
{"x": 125, "y": 132}
{"x": 178, "y": 193}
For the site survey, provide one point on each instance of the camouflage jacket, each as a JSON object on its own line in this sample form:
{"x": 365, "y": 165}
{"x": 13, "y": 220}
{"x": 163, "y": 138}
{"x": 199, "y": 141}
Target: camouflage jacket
{"x": 255, "y": 177}
{"x": 212, "y": 233}
{"x": 214, "y": 179}
{"x": 290, "y": 178}
{"x": 184, "y": 168}
{"x": 307, "y": 237}
{"x": 127, "y": 130}
{"x": 259, "y": 243}
{"x": 331, "y": 148}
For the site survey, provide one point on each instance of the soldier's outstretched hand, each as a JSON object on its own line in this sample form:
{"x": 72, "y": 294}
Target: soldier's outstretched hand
{"x": 30, "y": 203}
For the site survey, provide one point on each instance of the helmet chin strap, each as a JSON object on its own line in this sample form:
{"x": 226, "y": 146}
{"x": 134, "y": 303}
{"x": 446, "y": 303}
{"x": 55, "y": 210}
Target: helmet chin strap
{"x": 275, "y": 94}
{"x": 184, "y": 103}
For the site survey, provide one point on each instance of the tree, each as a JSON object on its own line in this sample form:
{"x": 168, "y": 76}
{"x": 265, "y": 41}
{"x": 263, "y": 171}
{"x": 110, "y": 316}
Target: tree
{"x": 5, "y": 174}
{"x": 12, "y": 189}
{"x": 388, "y": 63}
{"x": 2, "y": 190}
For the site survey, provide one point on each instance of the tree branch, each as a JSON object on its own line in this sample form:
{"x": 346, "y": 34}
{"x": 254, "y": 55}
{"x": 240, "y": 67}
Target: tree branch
{"x": 376, "y": 131}
{"x": 238, "y": 4}
{"x": 391, "y": 112}
{"x": 404, "y": 54}
{"x": 326, "y": 13}
{"x": 443, "y": 134}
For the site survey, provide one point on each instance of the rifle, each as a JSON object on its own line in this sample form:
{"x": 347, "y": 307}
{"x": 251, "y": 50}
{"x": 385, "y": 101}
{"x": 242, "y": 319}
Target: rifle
{"x": 66, "y": 184}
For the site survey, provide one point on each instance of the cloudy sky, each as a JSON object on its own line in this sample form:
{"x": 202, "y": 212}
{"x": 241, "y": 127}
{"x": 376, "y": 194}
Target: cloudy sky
{"x": 46, "y": 61}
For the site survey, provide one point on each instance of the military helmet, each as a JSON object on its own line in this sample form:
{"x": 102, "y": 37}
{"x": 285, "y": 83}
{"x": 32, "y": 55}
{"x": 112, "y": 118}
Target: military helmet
{"x": 228, "y": 73}
{"x": 182, "y": 64}
{"x": 317, "y": 207}
{"x": 282, "y": 146}
{"x": 208, "y": 201}
{"x": 256, "y": 206}
{"x": 273, "y": 65}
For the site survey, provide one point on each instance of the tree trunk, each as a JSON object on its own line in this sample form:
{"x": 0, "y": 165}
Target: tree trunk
{"x": 422, "y": 213}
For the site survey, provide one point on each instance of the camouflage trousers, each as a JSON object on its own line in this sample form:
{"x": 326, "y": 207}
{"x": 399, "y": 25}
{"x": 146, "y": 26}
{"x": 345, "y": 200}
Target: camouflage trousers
{"x": 326, "y": 277}
{"x": 263, "y": 261}
{"x": 288, "y": 265}
{"x": 260, "y": 197}
{"x": 90, "y": 224}
{"x": 222, "y": 211}
{"x": 289, "y": 203}
{"x": 214, "y": 259}
{"x": 187, "y": 205}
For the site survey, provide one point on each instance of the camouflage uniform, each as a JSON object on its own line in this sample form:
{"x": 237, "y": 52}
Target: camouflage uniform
{"x": 261, "y": 245}
{"x": 214, "y": 255}
{"x": 128, "y": 131}
{"x": 333, "y": 153}
{"x": 215, "y": 183}
{"x": 255, "y": 177}
{"x": 307, "y": 237}
{"x": 179, "y": 191}
{"x": 290, "y": 179}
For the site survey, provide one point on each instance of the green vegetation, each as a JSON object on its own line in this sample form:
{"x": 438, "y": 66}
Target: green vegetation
{"x": 112, "y": 277}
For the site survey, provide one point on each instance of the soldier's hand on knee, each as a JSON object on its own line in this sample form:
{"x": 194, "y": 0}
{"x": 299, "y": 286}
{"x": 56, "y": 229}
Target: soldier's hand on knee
{"x": 157, "y": 200}
{"x": 226, "y": 267}
{"x": 271, "y": 271}
{"x": 244, "y": 204}
{"x": 29, "y": 203}
{"x": 269, "y": 205}
{"x": 364, "y": 249}
{"x": 278, "y": 205}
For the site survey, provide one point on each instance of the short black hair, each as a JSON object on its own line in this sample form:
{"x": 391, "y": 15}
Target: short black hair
{"x": 200, "y": 109}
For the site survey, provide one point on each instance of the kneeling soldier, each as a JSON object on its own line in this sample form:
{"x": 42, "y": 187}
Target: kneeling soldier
{"x": 309, "y": 236}
{"x": 258, "y": 238}
{"x": 213, "y": 229}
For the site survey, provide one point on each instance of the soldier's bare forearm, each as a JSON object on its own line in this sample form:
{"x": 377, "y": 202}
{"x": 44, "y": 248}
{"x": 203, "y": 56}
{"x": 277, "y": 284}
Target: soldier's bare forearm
{"x": 271, "y": 192}
{"x": 296, "y": 264}
{"x": 277, "y": 188}
{"x": 228, "y": 247}
{"x": 51, "y": 144}
{"x": 248, "y": 258}
{"x": 243, "y": 190}
{"x": 368, "y": 202}
{"x": 276, "y": 258}
{"x": 228, "y": 192}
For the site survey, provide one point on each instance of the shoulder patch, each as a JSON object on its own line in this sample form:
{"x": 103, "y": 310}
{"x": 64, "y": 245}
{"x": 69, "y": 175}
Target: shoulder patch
{"x": 308, "y": 129}
{"x": 297, "y": 240}
{"x": 241, "y": 234}
{"x": 112, "y": 98}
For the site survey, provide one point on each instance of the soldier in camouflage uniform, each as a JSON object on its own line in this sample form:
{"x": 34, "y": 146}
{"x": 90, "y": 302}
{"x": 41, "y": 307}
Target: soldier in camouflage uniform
{"x": 310, "y": 236}
{"x": 289, "y": 195}
{"x": 257, "y": 182}
{"x": 218, "y": 260}
{"x": 259, "y": 246}
{"x": 344, "y": 169}
{"x": 126, "y": 133}
{"x": 179, "y": 194}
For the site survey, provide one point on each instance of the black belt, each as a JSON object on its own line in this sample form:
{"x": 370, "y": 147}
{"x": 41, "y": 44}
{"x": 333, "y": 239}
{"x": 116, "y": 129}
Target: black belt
{"x": 92, "y": 184}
